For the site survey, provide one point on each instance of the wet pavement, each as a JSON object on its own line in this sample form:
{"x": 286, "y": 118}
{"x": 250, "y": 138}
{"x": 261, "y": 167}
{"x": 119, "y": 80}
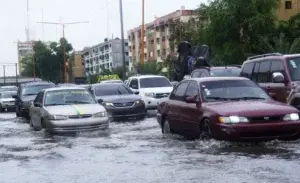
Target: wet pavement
{"x": 136, "y": 152}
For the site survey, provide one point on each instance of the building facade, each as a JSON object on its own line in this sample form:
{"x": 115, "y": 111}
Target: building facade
{"x": 288, "y": 8}
{"x": 24, "y": 48}
{"x": 105, "y": 56}
{"x": 78, "y": 69}
{"x": 156, "y": 38}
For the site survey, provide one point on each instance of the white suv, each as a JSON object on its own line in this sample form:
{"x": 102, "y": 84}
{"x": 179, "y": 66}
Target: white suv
{"x": 152, "y": 88}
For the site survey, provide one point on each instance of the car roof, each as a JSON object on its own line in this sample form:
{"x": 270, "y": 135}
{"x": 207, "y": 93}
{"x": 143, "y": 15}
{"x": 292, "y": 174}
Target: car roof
{"x": 204, "y": 79}
{"x": 37, "y": 83}
{"x": 218, "y": 68}
{"x": 147, "y": 76}
{"x": 105, "y": 84}
{"x": 273, "y": 57}
{"x": 64, "y": 88}
{"x": 11, "y": 86}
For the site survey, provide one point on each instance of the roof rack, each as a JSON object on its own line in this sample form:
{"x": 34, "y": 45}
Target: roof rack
{"x": 264, "y": 55}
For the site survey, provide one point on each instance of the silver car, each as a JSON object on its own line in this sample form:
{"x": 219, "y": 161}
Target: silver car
{"x": 6, "y": 100}
{"x": 67, "y": 109}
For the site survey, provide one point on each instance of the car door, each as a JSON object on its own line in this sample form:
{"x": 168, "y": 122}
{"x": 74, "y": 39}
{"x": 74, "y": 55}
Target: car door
{"x": 264, "y": 75}
{"x": 190, "y": 113}
{"x": 278, "y": 90}
{"x": 134, "y": 85}
{"x": 174, "y": 107}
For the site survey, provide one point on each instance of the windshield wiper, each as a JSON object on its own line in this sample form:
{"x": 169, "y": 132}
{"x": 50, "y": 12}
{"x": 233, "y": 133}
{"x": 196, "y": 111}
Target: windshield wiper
{"x": 218, "y": 98}
{"x": 77, "y": 102}
{"x": 54, "y": 104}
{"x": 250, "y": 98}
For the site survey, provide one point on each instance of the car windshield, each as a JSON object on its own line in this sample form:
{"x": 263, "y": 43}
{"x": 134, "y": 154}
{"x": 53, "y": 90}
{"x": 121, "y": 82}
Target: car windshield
{"x": 225, "y": 72}
{"x": 112, "y": 89}
{"x": 155, "y": 82}
{"x": 232, "y": 90}
{"x": 7, "y": 94}
{"x": 294, "y": 67}
{"x": 35, "y": 89}
{"x": 8, "y": 89}
{"x": 68, "y": 97}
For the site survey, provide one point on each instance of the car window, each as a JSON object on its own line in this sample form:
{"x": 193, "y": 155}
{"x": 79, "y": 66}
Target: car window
{"x": 225, "y": 72}
{"x": 181, "y": 89}
{"x": 196, "y": 74}
{"x": 192, "y": 90}
{"x": 294, "y": 68}
{"x": 247, "y": 70}
{"x": 34, "y": 89}
{"x": 264, "y": 72}
{"x": 155, "y": 82}
{"x": 134, "y": 84}
{"x": 255, "y": 71}
{"x": 112, "y": 89}
{"x": 68, "y": 97}
{"x": 38, "y": 98}
{"x": 232, "y": 90}
{"x": 277, "y": 66}
{"x": 204, "y": 74}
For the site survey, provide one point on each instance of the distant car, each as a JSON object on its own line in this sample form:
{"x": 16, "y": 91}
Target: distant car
{"x": 220, "y": 71}
{"x": 119, "y": 101}
{"x": 26, "y": 94}
{"x": 227, "y": 108}
{"x": 67, "y": 109}
{"x": 7, "y": 101}
{"x": 66, "y": 85}
{"x": 112, "y": 81}
{"x": 8, "y": 88}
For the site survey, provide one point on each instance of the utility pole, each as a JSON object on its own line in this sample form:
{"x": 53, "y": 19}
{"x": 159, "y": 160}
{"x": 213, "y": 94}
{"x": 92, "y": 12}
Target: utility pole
{"x": 143, "y": 33}
{"x": 16, "y": 64}
{"x": 64, "y": 46}
{"x": 4, "y": 79}
{"x": 122, "y": 39}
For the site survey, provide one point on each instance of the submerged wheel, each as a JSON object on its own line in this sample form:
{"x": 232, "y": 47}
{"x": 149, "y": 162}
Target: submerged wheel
{"x": 205, "y": 130}
{"x": 166, "y": 127}
{"x": 34, "y": 127}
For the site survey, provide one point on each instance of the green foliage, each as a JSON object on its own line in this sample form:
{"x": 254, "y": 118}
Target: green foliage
{"x": 49, "y": 61}
{"x": 150, "y": 67}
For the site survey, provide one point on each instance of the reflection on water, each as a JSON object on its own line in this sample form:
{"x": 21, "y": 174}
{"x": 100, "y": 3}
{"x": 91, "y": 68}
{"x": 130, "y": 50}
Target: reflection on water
{"x": 138, "y": 152}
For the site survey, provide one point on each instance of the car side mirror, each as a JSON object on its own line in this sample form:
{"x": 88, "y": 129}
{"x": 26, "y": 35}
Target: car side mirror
{"x": 137, "y": 92}
{"x": 37, "y": 104}
{"x": 15, "y": 96}
{"x": 193, "y": 100}
{"x": 278, "y": 77}
{"x": 100, "y": 101}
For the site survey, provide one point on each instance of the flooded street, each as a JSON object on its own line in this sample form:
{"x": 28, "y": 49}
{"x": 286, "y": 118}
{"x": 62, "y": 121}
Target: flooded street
{"x": 137, "y": 152}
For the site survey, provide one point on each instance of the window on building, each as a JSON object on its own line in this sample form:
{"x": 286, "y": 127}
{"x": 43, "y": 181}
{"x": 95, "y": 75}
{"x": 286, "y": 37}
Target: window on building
{"x": 163, "y": 39}
{"x": 152, "y": 42}
{"x": 126, "y": 44}
{"x": 157, "y": 40}
{"x": 126, "y": 53}
{"x": 158, "y": 52}
{"x": 288, "y": 5}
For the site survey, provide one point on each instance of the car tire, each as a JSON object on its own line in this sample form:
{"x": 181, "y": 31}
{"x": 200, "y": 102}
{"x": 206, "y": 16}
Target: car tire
{"x": 34, "y": 127}
{"x": 166, "y": 129}
{"x": 1, "y": 108}
{"x": 205, "y": 130}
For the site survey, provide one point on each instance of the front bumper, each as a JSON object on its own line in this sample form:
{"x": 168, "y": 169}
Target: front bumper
{"x": 258, "y": 131}
{"x": 74, "y": 125}
{"x": 127, "y": 112}
{"x": 8, "y": 105}
{"x": 152, "y": 103}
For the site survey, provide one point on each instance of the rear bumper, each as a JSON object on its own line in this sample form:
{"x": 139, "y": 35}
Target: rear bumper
{"x": 74, "y": 125}
{"x": 258, "y": 132}
{"x": 127, "y": 113}
{"x": 152, "y": 103}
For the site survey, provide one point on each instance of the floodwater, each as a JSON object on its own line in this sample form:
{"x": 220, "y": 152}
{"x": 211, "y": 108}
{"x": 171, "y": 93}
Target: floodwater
{"x": 136, "y": 152}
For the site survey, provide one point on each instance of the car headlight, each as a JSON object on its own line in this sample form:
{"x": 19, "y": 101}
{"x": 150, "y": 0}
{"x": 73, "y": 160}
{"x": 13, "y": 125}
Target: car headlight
{"x": 100, "y": 114}
{"x": 57, "y": 117}
{"x": 149, "y": 94}
{"x": 291, "y": 117}
{"x": 108, "y": 104}
{"x": 138, "y": 102}
{"x": 233, "y": 119}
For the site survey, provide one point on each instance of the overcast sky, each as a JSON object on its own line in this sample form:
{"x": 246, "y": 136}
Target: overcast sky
{"x": 13, "y": 21}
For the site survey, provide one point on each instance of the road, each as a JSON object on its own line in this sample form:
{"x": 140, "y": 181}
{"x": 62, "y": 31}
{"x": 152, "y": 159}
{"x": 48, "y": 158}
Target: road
{"x": 136, "y": 152}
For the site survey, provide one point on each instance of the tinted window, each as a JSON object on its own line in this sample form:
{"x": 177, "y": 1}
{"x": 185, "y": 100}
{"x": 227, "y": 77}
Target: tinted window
{"x": 111, "y": 89}
{"x": 264, "y": 72}
{"x": 232, "y": 90}
{"x": 204, "y": 74}
{"x": 294, "y": 67}
{"x": 192, "y": 90}
{"x": 225, "y": 72}
{"x": 196, "y": 74}
{"x": 247, "y": 70}
{"x": 134, "y": 84}
{"x": 34, "y": 89}
{"x": 68, "y": 97}
{"x": 181, "y": 89}
{"x": 154, "y": 82}
{"x": 255, "y": 72}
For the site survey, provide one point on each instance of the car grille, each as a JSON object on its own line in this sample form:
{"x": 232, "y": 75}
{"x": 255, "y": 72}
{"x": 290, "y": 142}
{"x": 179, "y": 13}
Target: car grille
{"x": 265, "y": 119}
{"x": 127, "y": 104}
{"x": 161, "y": 95}
{"x": 80, "y": 116}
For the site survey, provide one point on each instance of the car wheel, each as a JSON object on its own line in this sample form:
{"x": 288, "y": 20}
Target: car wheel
{"x": 1, "y": 108}
{"x": 34, "y": 127}
{"x": 166, "y": 127}
{"x": 205, "y": 130}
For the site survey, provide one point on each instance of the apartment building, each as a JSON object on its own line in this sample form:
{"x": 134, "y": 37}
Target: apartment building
{"x": 78, "y": 70}
{"x": 105, "y": 56}
{"x": 288, "y": 8}
{"x": 156, "y": 38}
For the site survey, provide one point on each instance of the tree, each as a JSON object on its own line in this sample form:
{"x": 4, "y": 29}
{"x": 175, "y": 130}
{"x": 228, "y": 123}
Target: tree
{"x": 27, "y": 65}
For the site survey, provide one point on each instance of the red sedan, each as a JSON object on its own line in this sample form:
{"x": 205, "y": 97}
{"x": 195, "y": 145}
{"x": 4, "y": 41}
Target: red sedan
{"x": 226, "y": 108}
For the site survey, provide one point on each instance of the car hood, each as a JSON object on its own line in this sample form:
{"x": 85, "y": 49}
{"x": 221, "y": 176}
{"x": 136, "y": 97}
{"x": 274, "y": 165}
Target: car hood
{"x": 79, "y": 109}
{"x": 250, "y": 108}
{"x": 157, "y": 90}
{"x": 119, "y": 98}
{"x": 7, "y": 99}
{"x": 28, "y": 98}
